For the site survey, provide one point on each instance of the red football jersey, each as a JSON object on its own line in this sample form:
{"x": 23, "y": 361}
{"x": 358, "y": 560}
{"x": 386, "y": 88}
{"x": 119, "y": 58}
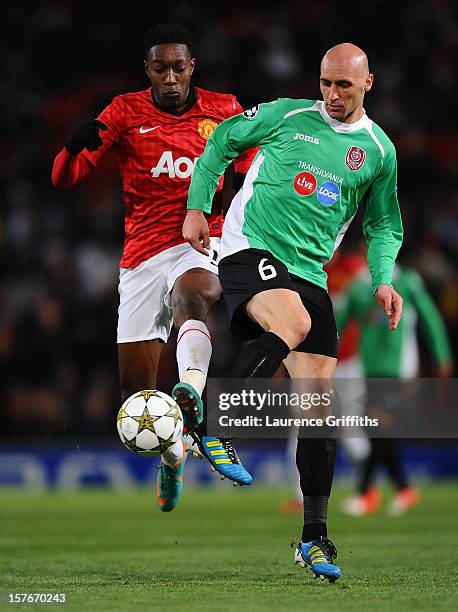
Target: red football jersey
{"x": 157, "y": 152}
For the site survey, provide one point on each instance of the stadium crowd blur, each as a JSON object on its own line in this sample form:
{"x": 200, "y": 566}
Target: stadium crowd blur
{"x": 63, "y": 61}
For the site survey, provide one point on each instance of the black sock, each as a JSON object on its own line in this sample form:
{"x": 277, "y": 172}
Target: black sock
{"x": 368, "y": 468}
{"x": 315, "y": 460}
{"x": 393, "y": 463}
{"x": 261, "y": 358}
{"x": 384, "y": 452}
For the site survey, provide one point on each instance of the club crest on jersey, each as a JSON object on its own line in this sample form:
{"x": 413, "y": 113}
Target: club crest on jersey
{"x": 355, "y": 158}
{"x": 206, "y": 127}
{"x": 251, "y": 113}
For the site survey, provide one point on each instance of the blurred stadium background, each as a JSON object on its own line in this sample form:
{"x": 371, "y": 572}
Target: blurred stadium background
{"x": 62, "y": 62}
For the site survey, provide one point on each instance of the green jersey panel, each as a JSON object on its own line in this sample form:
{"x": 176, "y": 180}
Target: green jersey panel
{"x": 304, "y": 186}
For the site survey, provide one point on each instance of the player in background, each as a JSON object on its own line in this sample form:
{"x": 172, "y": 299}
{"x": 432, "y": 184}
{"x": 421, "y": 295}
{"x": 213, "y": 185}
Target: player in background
{"x": 157, "y": 134}
{"x": 387, "y": 355}
{"x": 318, "y": 160}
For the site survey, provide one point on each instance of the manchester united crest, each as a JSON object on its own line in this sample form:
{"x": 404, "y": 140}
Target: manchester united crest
{"x": 206, "y": 127}
{"x": 355, "y": 158}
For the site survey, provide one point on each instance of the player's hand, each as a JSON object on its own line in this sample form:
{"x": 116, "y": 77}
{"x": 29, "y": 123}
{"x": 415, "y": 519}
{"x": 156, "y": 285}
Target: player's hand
{"x": 391, "y": 303}
{"x": 195, "y": 231}
{"x": 86, "y": 136}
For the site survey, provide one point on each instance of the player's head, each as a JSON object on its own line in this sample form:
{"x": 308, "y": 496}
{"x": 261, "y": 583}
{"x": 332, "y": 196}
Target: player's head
{"x": 169, "y": 64}
{"x": 344, "y": 80}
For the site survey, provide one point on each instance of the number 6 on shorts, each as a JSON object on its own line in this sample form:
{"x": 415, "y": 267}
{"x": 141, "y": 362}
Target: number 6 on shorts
{"x": 266, "y": 271}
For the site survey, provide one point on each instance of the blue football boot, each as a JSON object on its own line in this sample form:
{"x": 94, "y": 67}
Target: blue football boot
{"x": 319, "y": 555}
{"x": 170, "y": 485}
{"x": 222, "y": 456}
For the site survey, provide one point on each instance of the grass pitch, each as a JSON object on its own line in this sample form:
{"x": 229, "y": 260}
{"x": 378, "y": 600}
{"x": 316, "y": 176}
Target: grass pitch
{"x": 222, "y": 549}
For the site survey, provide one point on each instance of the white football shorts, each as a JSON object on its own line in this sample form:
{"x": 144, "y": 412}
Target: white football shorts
{"x": 144, "y": 311}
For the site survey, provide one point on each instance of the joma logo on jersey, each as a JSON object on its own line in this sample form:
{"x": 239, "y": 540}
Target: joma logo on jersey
{"x": 182, "y": 167}
{"x": 306, "y": 137}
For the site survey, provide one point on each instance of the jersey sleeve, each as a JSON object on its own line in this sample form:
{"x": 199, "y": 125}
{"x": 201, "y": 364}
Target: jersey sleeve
{"x": 70, "y": 169}
{"x": 230, "y": 139}
{"x": 243, "y": 162}
{"x": 382, "y": 223}
{"x": 430, "y": 321}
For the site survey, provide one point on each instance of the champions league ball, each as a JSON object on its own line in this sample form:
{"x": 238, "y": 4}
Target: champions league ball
{"x": 149, "y": 422}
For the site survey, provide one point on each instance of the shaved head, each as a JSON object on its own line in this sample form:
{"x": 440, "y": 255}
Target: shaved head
{"x": 347, "y": 56}
{"x": 344, "y": 80}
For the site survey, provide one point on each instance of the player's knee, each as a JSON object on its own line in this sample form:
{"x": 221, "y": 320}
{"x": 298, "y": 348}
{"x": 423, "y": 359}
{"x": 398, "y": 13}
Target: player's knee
{"x": 193, "y": 304}
{"x": 209, "y": 295}
{"x": 298, "y": 328}
{"x": 292, "y": 328}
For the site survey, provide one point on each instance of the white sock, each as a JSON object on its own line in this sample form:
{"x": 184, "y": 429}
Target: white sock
{"x": 194, "y": 349}
{"x": 174, "y": 454}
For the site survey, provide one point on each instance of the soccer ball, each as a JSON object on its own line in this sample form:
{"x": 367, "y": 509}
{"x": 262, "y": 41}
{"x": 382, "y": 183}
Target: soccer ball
{"x": 149, "y": 422}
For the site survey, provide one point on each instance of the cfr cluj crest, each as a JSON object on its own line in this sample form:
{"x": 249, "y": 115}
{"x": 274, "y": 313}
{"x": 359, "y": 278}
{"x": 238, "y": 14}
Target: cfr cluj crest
{"x": 355, "y": 158}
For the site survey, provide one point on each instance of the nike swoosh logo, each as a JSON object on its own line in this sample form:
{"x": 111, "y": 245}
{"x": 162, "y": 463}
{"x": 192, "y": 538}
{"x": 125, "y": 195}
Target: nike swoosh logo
{"x": 143, "y": 130}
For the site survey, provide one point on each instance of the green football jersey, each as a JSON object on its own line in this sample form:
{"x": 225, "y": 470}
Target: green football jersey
{"x": 394, "y": 354}
{"x": 304, "y": 186}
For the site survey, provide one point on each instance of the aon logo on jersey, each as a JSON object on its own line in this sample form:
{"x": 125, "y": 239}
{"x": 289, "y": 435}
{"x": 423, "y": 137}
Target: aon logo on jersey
{"x": 182, "y": 167}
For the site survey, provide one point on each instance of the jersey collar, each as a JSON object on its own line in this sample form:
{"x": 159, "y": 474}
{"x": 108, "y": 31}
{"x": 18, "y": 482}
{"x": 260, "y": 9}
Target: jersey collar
{"x": 339, "y": 126}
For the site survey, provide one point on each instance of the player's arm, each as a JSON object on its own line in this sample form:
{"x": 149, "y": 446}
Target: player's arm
{"x": 235, "y": 173}
{"x": 431, "y": 324}
{"x": 382, "y": 229}
{"x": 86, "y": 146}
{"x": 243, "y": 162}
{"x": 229, "y": 140}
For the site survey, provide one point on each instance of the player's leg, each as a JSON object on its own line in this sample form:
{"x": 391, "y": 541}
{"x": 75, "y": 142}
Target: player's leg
{"x": 406, "y": 496}
{"x": 285, "y": 321}
{"x": 194, "y": 289}
{"x": 284, "y": 313}
{"x": 144, "y": 324}
{"x": 315, "y": 460}
{"x": 369, "y": 468}
{"x": 264, "y": 306}
{"x": 193, "y": 293}
{"x": 315, "y": 359}
{"x": 138, "y": 365}
{"x": 368, "y": 498}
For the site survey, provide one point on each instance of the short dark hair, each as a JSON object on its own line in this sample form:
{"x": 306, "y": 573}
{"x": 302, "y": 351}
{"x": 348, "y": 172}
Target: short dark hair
{"x": 167, "y": 33}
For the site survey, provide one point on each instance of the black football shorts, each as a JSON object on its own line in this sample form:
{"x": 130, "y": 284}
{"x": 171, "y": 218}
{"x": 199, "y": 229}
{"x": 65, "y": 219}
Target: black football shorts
{"x": 251, "y": 271}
